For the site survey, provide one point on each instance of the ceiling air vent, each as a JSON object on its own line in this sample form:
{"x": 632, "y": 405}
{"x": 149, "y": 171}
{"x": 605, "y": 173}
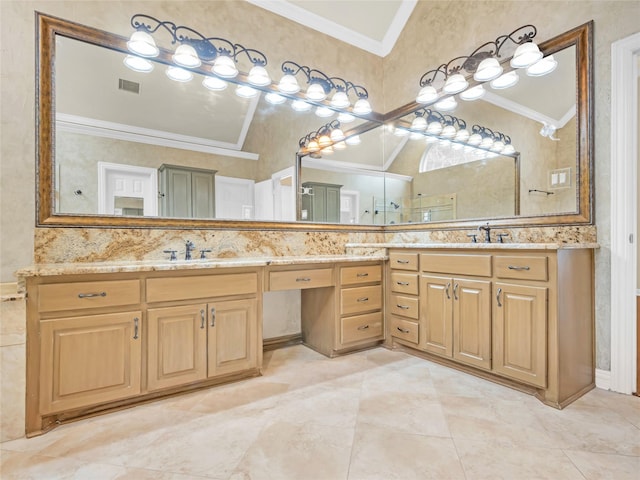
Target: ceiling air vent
{"x": 128, "y": 86}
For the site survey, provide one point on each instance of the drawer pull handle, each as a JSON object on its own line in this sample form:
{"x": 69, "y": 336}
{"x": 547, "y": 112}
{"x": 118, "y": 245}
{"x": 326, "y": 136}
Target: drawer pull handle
{"x": 446, "y": 290}
{"x": 403, "y": 283}
{"x": 213, "y": 317}
{"x": 514, "y": 267}
{"x": 135, "y": 328}
{"x": 498, "y": 297}
{"x": 404, "y": 262}
{"x": 90, "y": 295}
{"x": 363, "y": 299}
{"x": 362, "y": 275}
{"x": 303, "y": 279}
{"x": 363, "y": 327}
{"x": 402, "y": 330}
{"x": 403, "y": 307}
{"x": 455, "y": 291}
{"x": 202, "y": 319}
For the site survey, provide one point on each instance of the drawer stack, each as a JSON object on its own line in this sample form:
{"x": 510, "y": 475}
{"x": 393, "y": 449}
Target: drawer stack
{"x": 403, "y": 297}
{"x": 360, "y": 305}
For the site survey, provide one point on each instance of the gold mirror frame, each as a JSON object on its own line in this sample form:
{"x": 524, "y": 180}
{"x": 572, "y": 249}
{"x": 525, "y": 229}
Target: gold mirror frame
{"x": 48, "y": 27}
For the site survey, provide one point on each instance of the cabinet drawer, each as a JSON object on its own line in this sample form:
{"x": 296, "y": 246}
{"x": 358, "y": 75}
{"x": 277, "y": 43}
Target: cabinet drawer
{"x": 360, "y": 327}
{"x": 201, "y": 286}
{"x": 360, "y": 299}
{"x": 362, "y": 274}
{"x": 404, "y": 329}
{"x": 403, "y": 261}
{"x": 404, "y": 283}
{"x": 300, "y": 279}
{"x": 404, "y": 306}
{"x": 456, "y": 264}
{"x": 83, "y": 295}
{"x": 523, "y": 268}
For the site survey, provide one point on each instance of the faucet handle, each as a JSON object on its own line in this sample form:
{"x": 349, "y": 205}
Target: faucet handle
{"x": 501, "y": 237}
{"x": 203, "y": 253}
{"x": 173, "y": 254}
{"x": 473, "y": 236}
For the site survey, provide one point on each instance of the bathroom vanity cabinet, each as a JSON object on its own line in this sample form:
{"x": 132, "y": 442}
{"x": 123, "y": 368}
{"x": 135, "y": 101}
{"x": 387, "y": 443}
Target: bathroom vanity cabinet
{"x": 520, "y": 317}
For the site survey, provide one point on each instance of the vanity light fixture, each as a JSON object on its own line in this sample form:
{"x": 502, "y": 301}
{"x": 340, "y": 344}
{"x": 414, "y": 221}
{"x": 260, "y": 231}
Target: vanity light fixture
{"x": 542, "y": 67}
{"x": 324, "y": 140}
{"x": 214, "y": 83}
{"x": 505, "y": 81}
{"x": 245, "y": 91}
{"x": 138, "y": 64}
{"x": 345, "y": 117}
{"x": 447, "y": 104}
{"x": 322, "y": 85}
{"x": 300, "y": 106}
{"x": 179, "y": 74}
{"x": 195, "y": 48}
{"x": 473, "y": 93}
{"x": 353, "y": 140}
{"x": 324, "y": 112}
{"x": 275, "y": 99}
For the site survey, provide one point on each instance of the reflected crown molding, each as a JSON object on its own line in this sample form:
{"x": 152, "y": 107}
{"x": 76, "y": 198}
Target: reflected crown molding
{"x": 520, "y": 109}
{"x": 99, "y": 128}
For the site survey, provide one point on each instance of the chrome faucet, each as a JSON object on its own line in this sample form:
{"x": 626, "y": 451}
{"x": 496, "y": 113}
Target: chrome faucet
{"x": 189, "y": 247}
{"x": 487, "y": 230}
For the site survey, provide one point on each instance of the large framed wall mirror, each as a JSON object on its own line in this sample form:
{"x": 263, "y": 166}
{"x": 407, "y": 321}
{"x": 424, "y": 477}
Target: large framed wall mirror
{"x": 121, "y": 148}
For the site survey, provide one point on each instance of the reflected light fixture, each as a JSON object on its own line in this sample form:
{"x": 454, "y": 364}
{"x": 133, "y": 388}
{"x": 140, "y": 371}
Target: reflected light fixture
{"x": 245, "y": 91}
{"x": 179, "y": 74}
{"x": 274, "y": 99}
{"x": 186, "y": 56}
{"x": 344, "y": 117}
{"x": 473, "y": 93}
{"x": 138, "y": 64}
{"x": 214, "y": 83}
{"x": 324, "y": 112}
{"x": 427, "y": 94}
{"x": 488, "y": 69}
{"x": 447, "y": 104}
{"x": 542, "y": 67}
{"x": 339, "y": 146}
{"x": 300, "y": 106}
{"x": 455, "y": 84}
{"x": 505, "y": 81}
{"x": 327, "y": 138}
{"x": 353, "y": 140}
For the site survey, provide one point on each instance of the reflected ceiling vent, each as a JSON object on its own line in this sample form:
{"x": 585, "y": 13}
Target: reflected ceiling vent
{"x": 128, "y": 86}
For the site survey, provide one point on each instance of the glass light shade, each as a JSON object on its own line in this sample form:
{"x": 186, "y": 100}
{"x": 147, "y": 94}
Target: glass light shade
{"x": 505, "y": 81}
{"x": 313, "y": 146}
{"x": 427, "y": 94}
{"x": 486, "y": 142}
{"x": 419, "y": 123}
{"x": 432, "y": 139}
{"x": 138, "y": 64}
{"x": 444, "y": 142}
{"x": 324, "y": 141}
{"x": 274, "y": 98}
{"x": 449, "y": 131}
{"x": 337, "y": 135}
{"x": 457, "y": 146}
{"x": 353, "y": 140}
{"x": 497, "y": 146}
{"x": 339, "y": 146}
{"x": 214, "y": 83}
{"x": 345, "y": 117}
{"x": 488, "y": 69}
{"x": 415, "y": 136}
{"x": 455, "y": 84}
{"x": 400, "y": 132}
{"x": 186, "y": 56}
{"x": 340, "y": 100}
{"x": 316, "y": 93}
{"x": 300, "y": 106}
{"x": 179, "y": 74}
{"x": 259, "y": 76}
{"x": 475, "y": 139}
{"x": 327, "y": 150}
{"x": 324, "y": 112}
{"x": 434, "y": 128}
{"x": 225, "y": 67}
{"x": 245, "y": 91}
{"x": 448, "y": 104}
{"x": 143, "y": 44}
{"x": 508, "y": 149}
{"x": 462, "y": 135}
{"x": 288, "y": 84}
{"x": 525, "y": 55}
{"x": 362, "y": 107}
{"x": 473, "y": 93}
{"x": 542, "y": 67}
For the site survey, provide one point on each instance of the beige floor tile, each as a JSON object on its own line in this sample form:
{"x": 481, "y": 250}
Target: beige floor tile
{"x": 12, "y": 391}
{"x": 600, "y": 466}
{"x": 289, "y": 451}
{"x": 486, "y": 460}
{"x": 387, "y": 455}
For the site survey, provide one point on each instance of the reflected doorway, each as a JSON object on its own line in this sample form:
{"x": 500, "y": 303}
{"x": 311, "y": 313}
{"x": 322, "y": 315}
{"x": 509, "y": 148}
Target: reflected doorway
{"x": 127, "y": 190}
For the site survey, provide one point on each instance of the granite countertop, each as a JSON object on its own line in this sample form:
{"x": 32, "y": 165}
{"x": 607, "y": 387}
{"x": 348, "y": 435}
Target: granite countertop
{"x": 42, "y": 270}
{"x": 477, "y": 246}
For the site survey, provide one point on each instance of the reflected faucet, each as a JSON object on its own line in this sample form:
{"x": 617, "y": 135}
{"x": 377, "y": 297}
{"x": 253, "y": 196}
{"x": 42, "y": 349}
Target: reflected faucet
{"x": 189, "y": 247}
{"x": 487, "y": 230}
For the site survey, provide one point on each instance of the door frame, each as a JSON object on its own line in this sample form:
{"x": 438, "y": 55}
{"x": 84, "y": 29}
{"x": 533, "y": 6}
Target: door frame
{"x": 625, "y": 55}
{"x": 151, "y": 174}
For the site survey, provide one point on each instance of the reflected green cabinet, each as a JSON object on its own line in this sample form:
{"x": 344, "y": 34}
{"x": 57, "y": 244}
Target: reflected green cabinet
{"x": 322, "y": 203}
{"x": 186, "y": 192}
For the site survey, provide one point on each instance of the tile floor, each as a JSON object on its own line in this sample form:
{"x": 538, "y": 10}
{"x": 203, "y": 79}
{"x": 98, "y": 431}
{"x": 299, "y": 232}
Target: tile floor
{"x": 376, "y": 414}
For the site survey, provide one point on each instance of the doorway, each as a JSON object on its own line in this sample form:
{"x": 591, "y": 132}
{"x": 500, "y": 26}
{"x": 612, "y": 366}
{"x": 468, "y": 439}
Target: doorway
{"x": 127, "y": 190}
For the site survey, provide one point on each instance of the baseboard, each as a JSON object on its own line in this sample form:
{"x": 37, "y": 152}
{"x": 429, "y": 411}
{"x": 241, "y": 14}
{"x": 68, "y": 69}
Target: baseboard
{"x": 603, "y": 379}
{"x": 281, "y": 342}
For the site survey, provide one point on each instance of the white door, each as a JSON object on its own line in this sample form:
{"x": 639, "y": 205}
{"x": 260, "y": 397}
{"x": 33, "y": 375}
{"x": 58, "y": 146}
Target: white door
{"x": 127, "y": 190}
{"x": 264, "y": 200}
{"x": 349, "y": 206}
{"x": 234, "y": 198}
{"x": 284, "y": 195}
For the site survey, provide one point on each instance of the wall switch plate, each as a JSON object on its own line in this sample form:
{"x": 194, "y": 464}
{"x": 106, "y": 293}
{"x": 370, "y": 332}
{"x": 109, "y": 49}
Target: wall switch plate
{"x": 560, "y": 178}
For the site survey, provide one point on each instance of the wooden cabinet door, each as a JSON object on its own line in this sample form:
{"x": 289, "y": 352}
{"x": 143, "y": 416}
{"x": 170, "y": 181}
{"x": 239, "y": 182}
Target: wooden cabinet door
{"x": 89, "y": 360}
{"x": 333, "y": 204}
{"x": 472, "y": 322}
{"x": 435, "y": 314}
{"x": 177, "y": 193}
{"x": 177, "y": 346}
{"x": 233, "y": 342}
{"x": 519, "y": 333}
